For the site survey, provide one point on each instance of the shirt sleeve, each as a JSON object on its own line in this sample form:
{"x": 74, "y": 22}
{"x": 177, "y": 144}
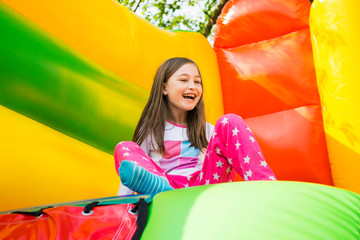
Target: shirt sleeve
{"x": 146, "y": 145}
{"x": 209, "y": 131}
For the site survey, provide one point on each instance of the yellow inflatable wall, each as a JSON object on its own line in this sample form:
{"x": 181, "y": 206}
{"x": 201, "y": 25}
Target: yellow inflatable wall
{"x": 335, "y": 25}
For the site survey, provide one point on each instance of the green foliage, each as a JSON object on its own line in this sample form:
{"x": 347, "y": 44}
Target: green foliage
{"x": 189, "y": 15}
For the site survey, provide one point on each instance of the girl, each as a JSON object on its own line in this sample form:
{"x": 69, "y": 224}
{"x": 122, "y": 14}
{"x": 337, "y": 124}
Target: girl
{"x": 173, "y": 145}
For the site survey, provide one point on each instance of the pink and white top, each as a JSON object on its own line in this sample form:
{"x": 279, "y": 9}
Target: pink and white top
{"x": 179, "y": 157}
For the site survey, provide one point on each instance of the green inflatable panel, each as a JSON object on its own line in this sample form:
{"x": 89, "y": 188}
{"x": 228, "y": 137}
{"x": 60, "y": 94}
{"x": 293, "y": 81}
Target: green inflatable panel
{"x": 255, "y": 211}
{"x": 44, "y": 79}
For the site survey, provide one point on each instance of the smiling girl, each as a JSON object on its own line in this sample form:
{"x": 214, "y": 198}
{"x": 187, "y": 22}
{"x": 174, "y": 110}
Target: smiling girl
{"x": 173, "y": 145}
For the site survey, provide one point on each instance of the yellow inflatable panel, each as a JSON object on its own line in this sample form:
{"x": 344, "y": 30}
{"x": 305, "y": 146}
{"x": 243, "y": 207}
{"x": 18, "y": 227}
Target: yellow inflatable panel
{"x": 63, "y": 165}
{"x": 121, "y": 41}
{"x": 335, "y": 25}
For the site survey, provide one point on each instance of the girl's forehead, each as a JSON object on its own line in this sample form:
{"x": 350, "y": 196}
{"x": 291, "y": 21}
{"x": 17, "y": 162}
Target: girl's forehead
{"x": 188, "y": 69}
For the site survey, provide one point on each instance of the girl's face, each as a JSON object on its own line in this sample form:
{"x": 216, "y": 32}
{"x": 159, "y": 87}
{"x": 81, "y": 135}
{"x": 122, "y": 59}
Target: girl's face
{"x": 183, "y": 89}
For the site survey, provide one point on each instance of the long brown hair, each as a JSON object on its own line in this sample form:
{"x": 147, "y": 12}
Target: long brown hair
{"x": 153, "y": 117}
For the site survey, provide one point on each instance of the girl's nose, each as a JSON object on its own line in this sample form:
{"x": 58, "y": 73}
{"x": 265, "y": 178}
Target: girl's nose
{"x": 191, "y": 85}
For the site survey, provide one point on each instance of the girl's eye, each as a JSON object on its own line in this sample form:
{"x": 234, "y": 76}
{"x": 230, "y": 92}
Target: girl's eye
{"x": 183, "y": 80}
{"x": 198, "y": 82}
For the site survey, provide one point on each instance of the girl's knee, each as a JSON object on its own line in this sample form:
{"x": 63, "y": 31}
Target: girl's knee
{"x": 120, "y": 151}
{"x": 125, "y": 146}
{"x": 231, "y": 119}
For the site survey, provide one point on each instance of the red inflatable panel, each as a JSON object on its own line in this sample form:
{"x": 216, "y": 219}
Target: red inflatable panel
{"x": 267, "y": 73}
{"x": 278, "y": 72}
{"x": 293, "y": 143}
{"x": 121, "y": 218}
{"x": 248, "y": 21}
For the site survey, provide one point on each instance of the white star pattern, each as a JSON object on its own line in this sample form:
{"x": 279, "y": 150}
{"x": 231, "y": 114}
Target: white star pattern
{"x": 219, "y": 164}
{"x": 248, "y": 129}
{"x": 230, "y": 160}
{"x": 201, "y": 175}
{"x": 126, "y": 154}
{"x": 252, "y": 138}
{"x": 237, "y": 144}
{"x": 214, "y": 134}
{"x": 249, "y": 173}
{"x": 260, "y": 154}
{"x": 207, "y": 182}
{"x": 186, "y": 185}
{"x": 246, "y": 159}
{"x": 126, "y": 149}
{"x": 216, "y": 177}
{"x": 228, "y": 170}
{"x": 145, "y": 158}
{"x": 246, "y": 178}
{"x": 235, "y": 131}
{"x": 217, "y": 150}
{"x": 272, "y": 178}
{"x": 188, "y": 178}
{"x": 224, "y": 121}
{"x": 263, "y": 163}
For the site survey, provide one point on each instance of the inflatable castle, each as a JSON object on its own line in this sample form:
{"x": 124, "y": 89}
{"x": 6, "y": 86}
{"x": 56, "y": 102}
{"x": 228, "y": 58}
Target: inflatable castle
{"x": 75, "y": 76}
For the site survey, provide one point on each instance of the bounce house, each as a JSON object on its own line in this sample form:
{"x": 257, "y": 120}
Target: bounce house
{"x": 75, "y": 76}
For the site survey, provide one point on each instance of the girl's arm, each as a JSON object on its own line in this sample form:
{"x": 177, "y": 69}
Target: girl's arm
{"x": 146, "y": 145}
{"x": 209, "y": 130}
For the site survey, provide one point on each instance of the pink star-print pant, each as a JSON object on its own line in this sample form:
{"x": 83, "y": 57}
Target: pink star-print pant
{"x": 232, "y": 148}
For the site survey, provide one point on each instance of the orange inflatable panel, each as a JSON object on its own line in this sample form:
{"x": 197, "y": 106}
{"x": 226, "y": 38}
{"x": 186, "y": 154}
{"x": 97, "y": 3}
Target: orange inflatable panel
{"x": 267, "y": 77}
{"x": 290, "y": 142}
{"x": 246, "y": 21}
{"x": 267, "y": 73}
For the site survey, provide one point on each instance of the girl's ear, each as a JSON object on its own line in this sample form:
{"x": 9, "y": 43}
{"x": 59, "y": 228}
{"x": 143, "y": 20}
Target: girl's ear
{"x": 164, "y": 90}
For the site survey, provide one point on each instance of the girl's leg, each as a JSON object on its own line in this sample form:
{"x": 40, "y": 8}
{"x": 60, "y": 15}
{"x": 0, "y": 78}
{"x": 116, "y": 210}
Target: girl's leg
{"x": 233, "y": 146}
{"x": 137, "y": 171}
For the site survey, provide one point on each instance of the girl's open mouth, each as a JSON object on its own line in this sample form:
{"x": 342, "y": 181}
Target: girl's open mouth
{"x": 189, "y": 96}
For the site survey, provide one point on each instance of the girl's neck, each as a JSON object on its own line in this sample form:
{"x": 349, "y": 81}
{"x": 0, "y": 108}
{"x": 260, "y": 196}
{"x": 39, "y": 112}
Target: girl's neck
{"x": 178, "y": 119}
